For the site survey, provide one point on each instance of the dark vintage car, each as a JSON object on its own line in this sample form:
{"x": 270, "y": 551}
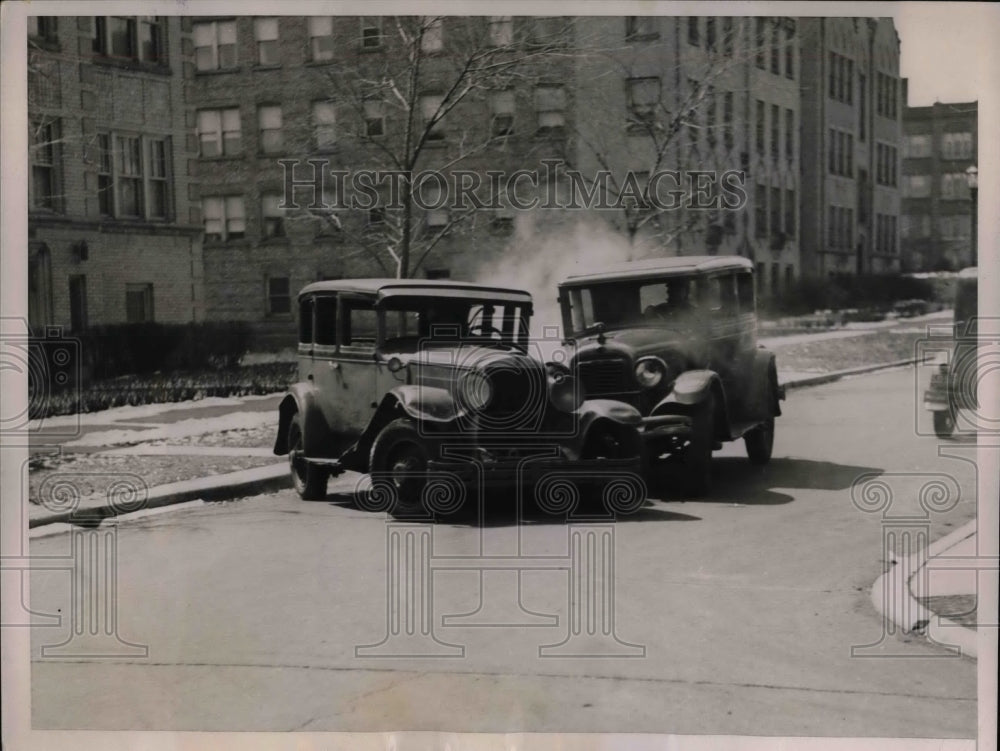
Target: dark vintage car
{"x": 676, "y": 338}
{"x": 953, "y": 386}
{"x": 406, "y": 378}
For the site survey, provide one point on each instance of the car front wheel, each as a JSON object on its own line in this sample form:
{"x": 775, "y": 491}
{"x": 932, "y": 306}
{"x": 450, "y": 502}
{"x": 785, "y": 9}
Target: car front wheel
{"x": 399, "y": 456}
{"x": 760, "y": 442}
{"x": 308, "y": 479}
{"x": 944, "y": 423}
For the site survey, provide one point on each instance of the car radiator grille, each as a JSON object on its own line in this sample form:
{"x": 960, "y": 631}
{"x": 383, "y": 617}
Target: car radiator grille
{"x": 603, "y": 377}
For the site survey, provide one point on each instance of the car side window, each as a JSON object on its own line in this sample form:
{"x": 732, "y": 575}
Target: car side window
{"x": 360, "y": 325}
{"x": 306, "y": 320}
{"x": 727, "y": 294}
{"x": 326, "y": 320}
{"x": 744, "y": 292}
{"x": 709, "y": 295}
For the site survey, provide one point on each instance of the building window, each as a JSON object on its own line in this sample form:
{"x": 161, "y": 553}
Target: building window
{"x": 862, "y": 107}
{"x": 438, "y": 274}
{"x": 549, "y": 31}
{"x": 44, "y": 137}
{"x": 711, "y": 116}
{"x": 953, "y": 145}
{"x": 841, "y": 79}
{"x": 138, "y": 303}
{"x": 775, "y": 50}
{"x": 269, "y": 122}
{"x": 643, "y": 97}
{"x": 916, "y": 186}
{"x": 775, "y": 211}
{"x": 129, "y": 38}
{"x": 727, "y": 36}
{"x": 272, "y": 218}
{"x": 775, "y": 278}
{"x": 157, "y": 186}
{"x": 371, "y": 32}
{"x": 759, "y": 41}
{"x": 433, "y": 118}
{"x": 761, "y": 126}
{"x": 885, "y": 164}
{"x": 433, "y": 36}
{"x": 775, "y": 132}
{"x": 692, "y": 30}
{"x": 502, "y": 113}
{"x": 501, "y": 31}
{"x": 219, "y": 132}
{"x": 790, "y": 135}
{"x": 790, "y": 209}
{"x": 550, "y": 105}
{"x": 374, "y": 118}
{"x": 641, "y": 28}
{"x": 954, "y": 186}
{"x": 790, "y": 50}
{"x": 105, "y": 176}
{"x": 917, "y": 146}
{"x": 77, "y": 302}
{"x": 841, "y": 153}
{"x": 43, "y": 28}
{"x": 710, "y": 43}
{"x": 128, "y": 180}
{"x": 265, "y": 33}
{"x": 279, "y": 296}
{"x": 324, "y": 124}
{"x": 760, "y": 211}
{"x": 215, "y": 45}
{"x": 224, "y": 218}
{"x": 887, "y": 96}
{"x": 832, "y": 225}
{"x": 727, "y": 120}
{"x": 321, "y": 38}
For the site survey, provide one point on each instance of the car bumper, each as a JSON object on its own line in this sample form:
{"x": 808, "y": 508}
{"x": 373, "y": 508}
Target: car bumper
{"x": 665, "y": 426}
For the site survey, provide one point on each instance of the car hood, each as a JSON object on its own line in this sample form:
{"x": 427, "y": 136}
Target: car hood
{"x": 435, "y": 360}
{"x": 636, "y": 342}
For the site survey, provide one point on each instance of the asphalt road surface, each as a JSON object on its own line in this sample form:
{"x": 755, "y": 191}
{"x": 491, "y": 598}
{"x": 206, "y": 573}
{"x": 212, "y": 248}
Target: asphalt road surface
{"x": 732, "y": 615}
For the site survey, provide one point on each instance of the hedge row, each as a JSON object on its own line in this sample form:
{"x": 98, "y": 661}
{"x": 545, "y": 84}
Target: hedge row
{"x": 140, "y": 348}
{"x": 870, "y": 291}
{"x": 266, "y": 378}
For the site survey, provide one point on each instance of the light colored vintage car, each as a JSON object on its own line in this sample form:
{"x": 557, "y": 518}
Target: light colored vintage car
{"x": 407, "y": 378}
{"x": 676, "y": 338}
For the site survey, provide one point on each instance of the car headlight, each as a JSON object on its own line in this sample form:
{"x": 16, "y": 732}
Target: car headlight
{"x": 563, "y": 391}
{"x": 649, "y": 372}
{"x": 475, "y": 391}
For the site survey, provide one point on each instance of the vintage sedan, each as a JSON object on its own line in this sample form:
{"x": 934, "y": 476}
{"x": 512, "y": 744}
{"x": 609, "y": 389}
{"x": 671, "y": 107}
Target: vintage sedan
{"x": 404, "y": 379}
{"x": 953, "y": 386}
{"x": 676, "y": 338}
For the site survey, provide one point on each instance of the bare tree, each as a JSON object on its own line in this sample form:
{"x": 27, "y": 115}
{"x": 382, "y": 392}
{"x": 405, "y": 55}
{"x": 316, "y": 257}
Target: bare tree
{"x": 422, "y": 104}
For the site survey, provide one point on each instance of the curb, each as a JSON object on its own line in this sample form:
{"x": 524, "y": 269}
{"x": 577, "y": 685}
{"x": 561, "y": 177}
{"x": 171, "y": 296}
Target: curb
{"x": 893, "y": 600}
{"x": 836, "y": 375}
{"x": 213, "y": 488}
{"x": 276, "y": 477}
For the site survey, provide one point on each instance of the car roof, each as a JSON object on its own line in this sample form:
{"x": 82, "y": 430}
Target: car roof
{"x": 430, "y": 287}
{"x": 656, "y": 267}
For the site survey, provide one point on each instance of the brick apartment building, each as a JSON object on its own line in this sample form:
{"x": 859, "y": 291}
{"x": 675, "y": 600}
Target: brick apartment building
{"x": 113, "y": 236}
{"x": 807, "y": 108}
{"x": 734, "y": 83}
{"x": 940, "y": 145}
{"x": 851, "y": 135}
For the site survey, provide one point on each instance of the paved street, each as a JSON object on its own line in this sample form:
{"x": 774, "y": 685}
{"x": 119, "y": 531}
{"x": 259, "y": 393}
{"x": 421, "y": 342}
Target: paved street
{"x": 733, "y": 615}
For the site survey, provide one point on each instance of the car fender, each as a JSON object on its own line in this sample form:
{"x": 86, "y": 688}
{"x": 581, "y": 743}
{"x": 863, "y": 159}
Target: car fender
{"x": 424, "y": 404}
{"x": 302, "y": 398}
{"x": 691, "y": 388}
{"x": 764, "y": 394}
{"x": 594, "y": 412}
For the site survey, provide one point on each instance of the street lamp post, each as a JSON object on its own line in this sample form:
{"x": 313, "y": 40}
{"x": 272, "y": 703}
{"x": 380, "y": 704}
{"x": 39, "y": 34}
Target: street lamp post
{"x": 972, "y": 176}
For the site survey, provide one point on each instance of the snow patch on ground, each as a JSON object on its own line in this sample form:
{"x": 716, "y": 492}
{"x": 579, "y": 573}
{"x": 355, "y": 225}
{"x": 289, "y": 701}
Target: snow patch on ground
{"x": 179, "y": 429}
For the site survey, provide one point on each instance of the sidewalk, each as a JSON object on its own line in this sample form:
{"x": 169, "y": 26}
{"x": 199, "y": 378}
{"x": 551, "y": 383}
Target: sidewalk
{"x": 935, "y": 591}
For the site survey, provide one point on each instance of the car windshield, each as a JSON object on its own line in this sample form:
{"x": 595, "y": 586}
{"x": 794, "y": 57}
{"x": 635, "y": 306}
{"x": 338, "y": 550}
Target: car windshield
{"x": 413, "y": 322}
{"x": 669, "y": 302}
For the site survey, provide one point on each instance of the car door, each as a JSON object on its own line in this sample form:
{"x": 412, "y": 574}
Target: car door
{"x": 349, "y": 378}
{"x": 723, "y": 332}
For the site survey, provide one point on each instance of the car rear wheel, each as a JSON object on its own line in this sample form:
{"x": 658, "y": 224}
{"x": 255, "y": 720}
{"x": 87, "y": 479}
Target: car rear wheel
{"x": 944, "y": 423}
{"x": 308, "y": 479}
{"x": 697, "y": 458}
{"x": 760, "y": 442}
{"x": 399, "y": 456}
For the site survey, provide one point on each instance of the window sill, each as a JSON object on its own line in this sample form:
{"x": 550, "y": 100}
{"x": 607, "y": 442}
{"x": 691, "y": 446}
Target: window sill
{"x": 137, "y": 66}
{"x": 217, "y": 71}
{"x": 222, "y": 158}
{"x": 271, "y": 66}
{"x": 275, "y": 240}
{"x": 374, "y": 48}
{"x": 240, "y": 242}
{"x": 319, "y": 63}
{"x": 651, "y": 37}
